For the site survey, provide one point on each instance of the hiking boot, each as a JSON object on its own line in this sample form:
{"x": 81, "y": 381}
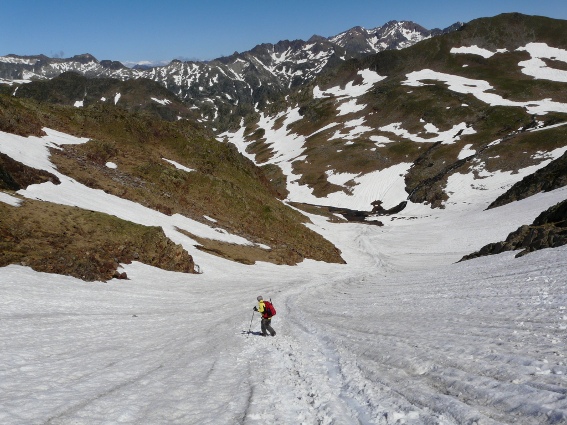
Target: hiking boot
{"x": 274, "y": 334}
{"x": 264, "y": 334}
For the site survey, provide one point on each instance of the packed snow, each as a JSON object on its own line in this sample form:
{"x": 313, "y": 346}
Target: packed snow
{"x": 400, "y": 334}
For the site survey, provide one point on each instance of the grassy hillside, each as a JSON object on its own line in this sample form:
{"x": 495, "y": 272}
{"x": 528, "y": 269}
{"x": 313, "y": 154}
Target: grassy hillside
{"x": 224, "y": 186}
{"x": 133, "y": 95}
{"x": 84, "y": 244}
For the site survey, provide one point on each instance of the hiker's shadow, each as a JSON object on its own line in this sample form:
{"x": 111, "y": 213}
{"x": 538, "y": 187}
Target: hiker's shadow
{"x": 251, "y": 333}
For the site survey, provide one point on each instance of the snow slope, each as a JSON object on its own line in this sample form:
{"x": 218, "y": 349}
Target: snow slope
{"x": 400, "y": 334}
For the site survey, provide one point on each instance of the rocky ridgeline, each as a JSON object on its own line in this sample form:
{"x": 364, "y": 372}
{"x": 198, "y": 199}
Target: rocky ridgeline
{"x": 228, "y": 88}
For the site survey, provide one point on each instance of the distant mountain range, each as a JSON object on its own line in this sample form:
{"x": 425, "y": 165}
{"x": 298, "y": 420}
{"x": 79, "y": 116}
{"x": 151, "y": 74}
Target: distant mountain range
{"x": 230, "y": 87}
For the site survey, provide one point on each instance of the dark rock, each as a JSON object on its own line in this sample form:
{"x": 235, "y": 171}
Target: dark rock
{"x": 549, "y": 230}
{"x": 550, "y": 177}
{"x": 118, "y": 275}
{"x": 15, "y": 176}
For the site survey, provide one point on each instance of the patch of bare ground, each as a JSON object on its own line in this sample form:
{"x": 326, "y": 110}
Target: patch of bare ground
{"x": 240, "y": 207}
{"x": 247, "y": 254}
{"x": 319, "y": 210}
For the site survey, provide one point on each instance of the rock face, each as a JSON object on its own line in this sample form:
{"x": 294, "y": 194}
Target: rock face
{"x": 392, "y": 35}
{"x": 550, "y": 177}
{"x": 15, "y": 176}
{"x": 378, "y": 209}
{"x": 549, "y": 230}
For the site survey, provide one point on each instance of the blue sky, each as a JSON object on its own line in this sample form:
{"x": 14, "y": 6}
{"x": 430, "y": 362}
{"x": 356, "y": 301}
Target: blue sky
{"x": 138, "y": 30}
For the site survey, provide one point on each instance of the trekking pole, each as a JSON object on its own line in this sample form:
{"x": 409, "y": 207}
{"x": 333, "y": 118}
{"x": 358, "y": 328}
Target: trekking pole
{"x": 250, "y": 324}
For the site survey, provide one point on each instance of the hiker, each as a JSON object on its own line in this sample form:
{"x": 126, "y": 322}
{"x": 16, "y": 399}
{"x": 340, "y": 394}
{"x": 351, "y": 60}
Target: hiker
{"x": 266, "y": 309}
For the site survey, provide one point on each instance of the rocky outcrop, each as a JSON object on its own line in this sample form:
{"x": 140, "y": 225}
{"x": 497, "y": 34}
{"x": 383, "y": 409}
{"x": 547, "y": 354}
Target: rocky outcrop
{"x": 549, "y": 230}
{"x": 378, "y": 209}
{"x": 355, "y": 215}
{"x": 15, "y": 176}
{"x": 550, "y": 177}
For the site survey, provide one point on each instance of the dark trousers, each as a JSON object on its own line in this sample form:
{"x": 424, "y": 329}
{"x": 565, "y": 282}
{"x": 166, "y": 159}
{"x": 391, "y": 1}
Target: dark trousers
{"x": 266, "y": 326}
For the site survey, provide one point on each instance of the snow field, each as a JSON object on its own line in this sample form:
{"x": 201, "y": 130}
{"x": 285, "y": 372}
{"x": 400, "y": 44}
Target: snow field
{"x": 477, "y": 342}
{"x": 372, "y": 342}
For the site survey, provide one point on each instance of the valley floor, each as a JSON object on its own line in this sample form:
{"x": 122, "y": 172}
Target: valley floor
{"x": 400, "y": 334}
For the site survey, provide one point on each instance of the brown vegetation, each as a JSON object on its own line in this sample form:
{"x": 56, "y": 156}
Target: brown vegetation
{"x": 84, "y": 244}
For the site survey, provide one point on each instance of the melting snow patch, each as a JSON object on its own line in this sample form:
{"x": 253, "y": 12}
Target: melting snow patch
{"x": 349, "y": 107}
{"x": 10, "y": 200}
{"x": 479, "y": 89}
{"x": 547, "y": 127}
{"x": 381, "y": 140}
{"x": 36, "y": 152}
{"x": 357, "y": 129}
{"x": 537, "y": 68}
{"x": 466, "y": 188}
{"x": 117, "y": 98}
{"x": 466, "y": 151}
{"x": 179, "y": 166}
{"x": 111, "y": 165}
{"x": 447, "y": 137}
{"x": 161, "y": 101}
{"x": 369, "y": 79}
{"x": 473, "y": 50}
{"x": 339, "y": 178}
{"x": 78, "y": 104}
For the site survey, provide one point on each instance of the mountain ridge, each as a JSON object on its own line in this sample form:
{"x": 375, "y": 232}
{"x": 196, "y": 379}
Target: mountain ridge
{"x": 234, "y": 85}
